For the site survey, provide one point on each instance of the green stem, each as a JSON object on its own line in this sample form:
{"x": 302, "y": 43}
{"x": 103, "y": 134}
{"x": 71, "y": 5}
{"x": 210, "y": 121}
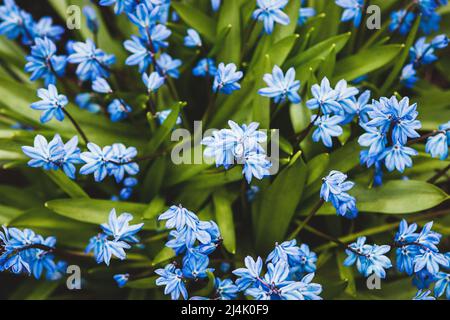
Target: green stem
{"x": 302, "y": 224}
{"x": 76, "y": 125}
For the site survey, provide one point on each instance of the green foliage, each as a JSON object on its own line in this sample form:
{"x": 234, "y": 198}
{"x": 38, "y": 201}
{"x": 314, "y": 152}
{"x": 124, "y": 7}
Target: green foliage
{"x": 72, "y": 210}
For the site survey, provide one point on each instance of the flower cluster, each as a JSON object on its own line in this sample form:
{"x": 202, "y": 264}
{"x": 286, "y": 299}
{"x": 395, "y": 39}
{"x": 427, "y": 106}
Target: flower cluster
{"x": 241, "y": 145}
{"x": 290, "y": 270}
{"x": 24, "y": 251}
{"x": 402, "y": 20}
{"x": 417, "y": 254}
{"x": 336, "y": 107}
{"x": 127, "y": 190}
{"x": 195, "y": 239}
{"x": 422, "y": 53}
{"x": 115, "y": 160}
{"x": 391, "y": 123}
{"x": 334, "y": 189}
{"x": 117, "y": 236}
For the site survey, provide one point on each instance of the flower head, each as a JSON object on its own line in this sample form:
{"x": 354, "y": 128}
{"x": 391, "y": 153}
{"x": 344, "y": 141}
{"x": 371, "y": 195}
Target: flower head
{"x": 281, "y": 87}
{"x": 270, "y": 12}
{"x": 226, "y": 79}
{"x": 52, "y": 104}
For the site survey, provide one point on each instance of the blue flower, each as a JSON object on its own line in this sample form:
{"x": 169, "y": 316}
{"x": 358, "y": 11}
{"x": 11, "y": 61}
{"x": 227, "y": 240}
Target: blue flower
{"x": 422, "y": 53}
{"x": 352, "y": 10}
{"x": 424, "y": 295}
{"x": 100, "y": 85}
{"x": 92, "y": 62}
{"x": 121, "y": 279}
{"x": 153, "y": 81}
{"x": 226, "y": 289}
{"x": 44, "y": 63}
{"x": 195, "y": 265}
{"x": 215, "y": 4}
{"x": 52, "y": 104}
{"x": 45, "y": 28}
{"x": 304, "y": 14}
{"x": 85, "y": 101}
{"x": 375, "y": 139}
{"x": 270, "y": 12}
{"x": 324, "y": 97}
{"x": 370, "y": 259}
{"x": 427, "y": 6}
{"x": 440, "y": 41}
{"x": 249, "y": 275}
{"x": 430, "y": 260}
{"x": 158, "y": 36}
{"x": 91, "y": 19}
{"x": 333, "y": 184}
{"x": 442, "y": 285}
{"x": 438, "y": 144}
{"x": 288, "y": 252}
{"x": 346, "y": 94}
{"x": 144, "y": 16}
{"x": 121, "y": 161}
{"x": 173, "y": 279}
{"x": 41, "y": 260}
{"x": 408, "y": 76}
{"x": 44, "y": 154}
{"x": 327, "y": 127}
{"x": 118, "y": 110}
{"x": 398, "y": 157}
{"x": 120, "y": 229}
{"x": 428, "y": 237}
{"x": 119, "y": 5}
{"x": 167, "y": 66}
{"x": 15, "y": 22}
{"x": 396, "y": 114}
{"x": 127, "y": 191}
{"x": 430, "y": 23}
{"x": 97, "y": 161}
{"x": 405, "y": 258}
{"x": 280, "y": 86}
{"x": 204, "y": 67}
{"x": 226, "y": 79}
{"x": 140, "y": 53}
{"x": 402, "y": 21}
{"x": 178, "y": 217}
{"x": 105, "y": 249}
{"x": 256, "y": 165}
{"x": 192, "y": 40}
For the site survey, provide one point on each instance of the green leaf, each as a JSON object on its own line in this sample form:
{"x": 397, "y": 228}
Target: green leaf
{"x": 196, "y": 19}
{"x": 215, "y": 179}
{"x": 164, "y": 255}
{"x": 320, "y": 50}
{"x": 292, "y": 10}
{"x": 208, "y": 290}
{"x": 399, "y": 197}
{"x": 97, "y": 211}
{"x": 8, "y": 213}
{"x": 366, "y": 61}
{"x": 230, "y": 15}
{"x": 278, "y": 204}
{"x": 346, "y": 273}
{"x": 70, "y": 187}
{"x": 317, "y": 168}
{"x": 224, "y": 217}
{"x": 144, "y": 283}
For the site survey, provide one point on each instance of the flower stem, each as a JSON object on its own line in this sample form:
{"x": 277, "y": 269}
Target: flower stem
{"x": 302, "y": 224}
{"x": 210, "y": 107}
{"x": 426, "y": 136}
{"x": 76, "y": 125}
{"x": 439, "y": 174}
{"x": 300, "y": 137}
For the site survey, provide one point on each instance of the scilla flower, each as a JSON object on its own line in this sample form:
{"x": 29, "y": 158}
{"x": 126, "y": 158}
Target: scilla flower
{"x": 162, "y": 116}
{"x": 409, "y": 76}
{"x": 324, "y": 97}
{"x": 44, "y": 63}
{"x": 116, "y": 237}
{"x": 192, "y": 40}
{"x": 281, "y": 87}
{"x": 327, "y": 127}
{"x": 225, "y": 289}
{"x": 141, "y": 54}
{"x": 304, "y": 14}
{"x": 438, "y": 144}
{"x": 121, "y": 279}
{"x": 226, "y": 79}
{"x": 205, "y": 67}
{"x": 352, "y": 10}
{"x": 119, "y": 5}
{"x": 398, "y": 157}
{"x": 152, "y": 82}
{"x": 215, "y": 4}
{"x": 52, "y": 104}
{"x": 118, "y": 110}
{"x": 92, "y": 62}
{"x": 168, "y": 67}
{"x": 402, "y": 21}
{"x": 334, "y": 189}
{"x": 91, "y": 19}
{"x": 172, "y": 278}
{"x": 270, "y": 12}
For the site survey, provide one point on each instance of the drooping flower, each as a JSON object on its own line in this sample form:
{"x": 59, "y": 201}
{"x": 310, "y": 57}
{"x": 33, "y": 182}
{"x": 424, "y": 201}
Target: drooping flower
{"x": 438, "y": 144}
{"x": 192, "y": 40}
{"x": 408, "y": 76}
{"x": 205, "y": 67}
{"x": 44, "y": 63}
{"x": 141, "y": 54}
{"x": 327, "y": 127}
{"x": 100, "y": 85}
{"x": 334, "y": 189}
{"x": 402, "y": 21}
{"x": 121, "y": 279}
{"x": 225, "y": 289}
{"x": 153, "y": 81}
{"x": 168, "y": 67}
{"x": 91, "y": 19}
{"x": 118, "y": 110}
{"x": 172, "y": 278}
